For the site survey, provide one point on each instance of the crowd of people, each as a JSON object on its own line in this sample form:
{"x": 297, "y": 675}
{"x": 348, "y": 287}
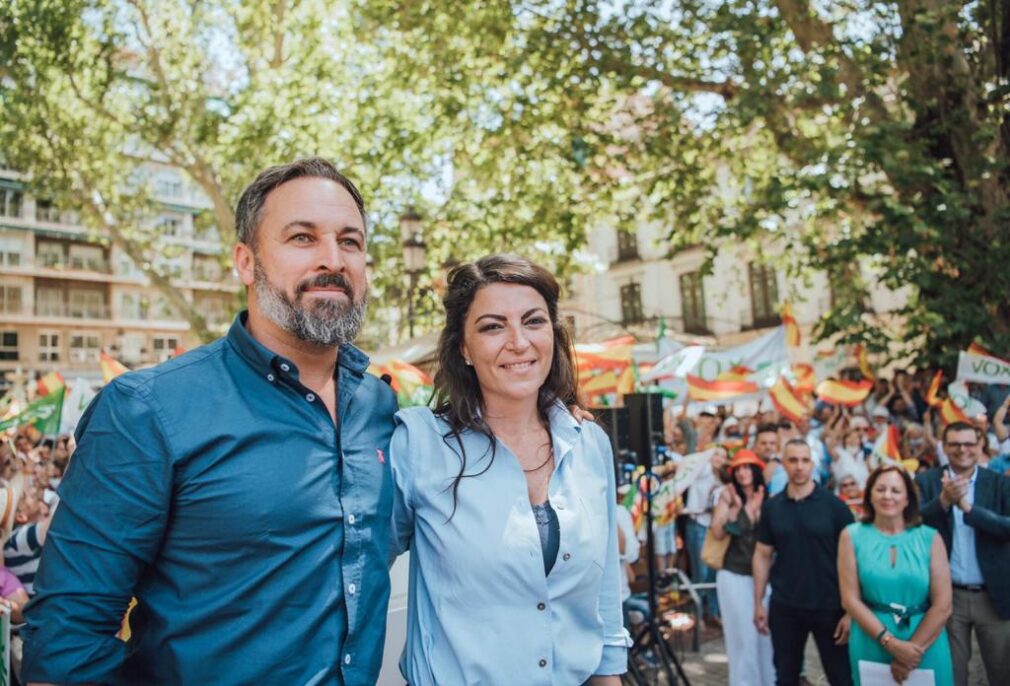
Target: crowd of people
{"x": 816, "y": 530}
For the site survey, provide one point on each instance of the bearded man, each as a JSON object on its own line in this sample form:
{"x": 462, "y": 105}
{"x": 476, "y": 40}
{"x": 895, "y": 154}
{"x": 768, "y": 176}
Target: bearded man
{"x": 239, "y": 492}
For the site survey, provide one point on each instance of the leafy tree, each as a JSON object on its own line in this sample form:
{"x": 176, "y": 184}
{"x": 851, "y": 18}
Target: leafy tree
{"x": 868, "y": 139}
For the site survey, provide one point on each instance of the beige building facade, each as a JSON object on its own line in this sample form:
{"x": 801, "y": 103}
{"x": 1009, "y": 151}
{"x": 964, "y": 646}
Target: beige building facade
{"x": 66, "y": 295}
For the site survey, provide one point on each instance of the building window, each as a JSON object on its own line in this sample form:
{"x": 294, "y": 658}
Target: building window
{"x": 627, "y": 245}
{"x": 168, "y": 185}
{"x": 87, "y": 304}
{"x": 8, "y": 345}
{"x": 171, "y": 224}
{"x": 47, "y": 211}
{"x": 764, "y": 295}
{"x": 50, "y": 254}
{"x": 10, "y": 299}
{"x": 631, "y": 304}
{"x": 10, "y": 202}
{"x": 49, "y": 346}
{"x": 90, "y": 257}
{"x": 85, "y": 347}
{"x": 164, "y": 347}
{"x": 692, "y": 301}
{"x": 49, "y": 302}
{"x": 10, "y": 251}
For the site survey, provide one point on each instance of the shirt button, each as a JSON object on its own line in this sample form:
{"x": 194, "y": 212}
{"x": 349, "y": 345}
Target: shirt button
{"x": 347, "y": 659}
{"x": 270, "y": 377}
{"x": 543, "y": 662}
{"x": 566, "y": 557}
{"x": 350, "y": 519}
{"x": 351, "y": 588}
{"x": 310, "y": 397}
{"x": 559, "y": 507}
{"x": 541, "y": 606}
{"x": 285, "y": 368}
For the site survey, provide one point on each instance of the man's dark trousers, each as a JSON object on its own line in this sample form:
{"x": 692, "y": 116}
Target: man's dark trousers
{"x": 790, "y": 627}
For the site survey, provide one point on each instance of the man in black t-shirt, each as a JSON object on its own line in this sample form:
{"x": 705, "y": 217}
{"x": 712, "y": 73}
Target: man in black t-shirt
{"x": 801, "y": 526}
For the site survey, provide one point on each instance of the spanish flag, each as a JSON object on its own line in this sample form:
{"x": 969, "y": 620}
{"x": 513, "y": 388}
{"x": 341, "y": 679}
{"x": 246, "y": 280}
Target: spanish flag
{"x": 805, "y": 378}
{"x": 934, "y": 388}
{"x": 51, "y": 382}
{"x": 787, "y": 400}
{"x": 950, "y": 412}
{"x": 599, "y": 384}
{"x": 976, "y": 349}
{"x": 847, "y": 393}
{"x": 111, "y": 367}
{"x": 612, "y": 354}
{"x": 864, "y": 363}
{"x": 737, "y": 373}
{"x": 699, "y": 389}
{"x": 793, "y": 337}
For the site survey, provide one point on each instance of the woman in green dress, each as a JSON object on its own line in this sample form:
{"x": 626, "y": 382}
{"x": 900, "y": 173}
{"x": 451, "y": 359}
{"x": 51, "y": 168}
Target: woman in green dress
{"x": 895, "y": 583}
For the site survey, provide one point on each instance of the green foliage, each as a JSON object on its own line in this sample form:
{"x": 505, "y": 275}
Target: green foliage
{"x": 867, "y": 139}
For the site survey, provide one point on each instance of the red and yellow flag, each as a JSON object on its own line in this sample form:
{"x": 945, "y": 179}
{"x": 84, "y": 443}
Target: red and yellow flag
{"x": 805, "y": 378}
{"x": 976, "y": 349}
{"x": 892, "y": 444}
{"x": 950, "y": 412}
{"x": 793, "y": 336}
{"x": 864, "y": 363}
{"x": 737, "y": 373}
{"x": 934, "y": 388}
{"x": 787, "y": 400}
{"x": 612, "y": 354}
{"x": 111, "y": 367}
{"x": 847, "y": 393}
{"x": 51, "y": 382}
{"x": 601, "y": 383}
{"x": 699, "y": 389}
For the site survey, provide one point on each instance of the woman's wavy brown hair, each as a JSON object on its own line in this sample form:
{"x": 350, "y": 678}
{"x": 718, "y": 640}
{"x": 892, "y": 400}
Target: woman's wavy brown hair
{"x": 457, "y": 395}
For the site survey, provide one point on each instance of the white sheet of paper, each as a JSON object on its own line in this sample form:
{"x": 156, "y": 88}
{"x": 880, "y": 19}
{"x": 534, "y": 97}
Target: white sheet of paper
{"x": 879, "y": 674}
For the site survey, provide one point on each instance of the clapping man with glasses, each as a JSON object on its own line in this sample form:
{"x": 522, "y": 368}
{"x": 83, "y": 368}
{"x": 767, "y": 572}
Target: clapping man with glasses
{"x": 970, "y": 506}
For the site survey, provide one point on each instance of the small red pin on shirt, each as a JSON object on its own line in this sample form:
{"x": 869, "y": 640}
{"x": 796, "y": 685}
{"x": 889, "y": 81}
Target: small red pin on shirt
{"x": 382, "y": 458}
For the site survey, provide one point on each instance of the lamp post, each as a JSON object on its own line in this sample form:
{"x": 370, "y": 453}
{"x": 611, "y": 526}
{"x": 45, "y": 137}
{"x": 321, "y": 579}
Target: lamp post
{"x": 414, "y": 258}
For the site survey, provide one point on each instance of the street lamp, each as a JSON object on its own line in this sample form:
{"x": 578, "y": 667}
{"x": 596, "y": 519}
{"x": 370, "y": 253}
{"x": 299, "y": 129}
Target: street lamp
{"x": 414, "y": 258}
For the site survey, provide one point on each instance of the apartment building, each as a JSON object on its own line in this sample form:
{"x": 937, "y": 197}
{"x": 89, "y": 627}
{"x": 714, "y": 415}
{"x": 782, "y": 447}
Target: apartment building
{"x": 66, "y": 294}
{"x": 637, "y": 285}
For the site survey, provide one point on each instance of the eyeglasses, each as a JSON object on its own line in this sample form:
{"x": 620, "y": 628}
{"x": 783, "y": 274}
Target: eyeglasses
{"x": 959, "y": 446}
{"x": 847, "y": 484}
{"x": 785, "y": 425}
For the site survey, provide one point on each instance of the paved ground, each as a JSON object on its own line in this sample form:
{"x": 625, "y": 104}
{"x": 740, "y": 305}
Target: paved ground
{"x": 709, "y": 666}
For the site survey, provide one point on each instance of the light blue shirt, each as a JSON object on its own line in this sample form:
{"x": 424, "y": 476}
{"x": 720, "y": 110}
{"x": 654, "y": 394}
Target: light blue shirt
{"x": 481, "y": 610}
{"x": 964, "y": 567}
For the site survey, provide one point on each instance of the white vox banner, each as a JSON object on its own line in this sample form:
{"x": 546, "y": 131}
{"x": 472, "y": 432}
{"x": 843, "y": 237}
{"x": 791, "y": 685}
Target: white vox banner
{"x": 767, "y": 356}
{"x": 76, "y": 401}
{"x": 982, "y": 369}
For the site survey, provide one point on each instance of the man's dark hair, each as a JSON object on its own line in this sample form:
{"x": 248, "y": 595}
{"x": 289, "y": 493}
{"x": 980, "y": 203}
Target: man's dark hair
{"x": 767, "y": 428}
{"x": 961, "y": 426}
{"x": 796, "y": 441}
{"x": 249, "y": 211}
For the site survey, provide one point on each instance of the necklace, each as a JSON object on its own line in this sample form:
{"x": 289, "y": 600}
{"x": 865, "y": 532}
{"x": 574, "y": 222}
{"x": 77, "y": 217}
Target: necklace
{"x": 550, "y": 454}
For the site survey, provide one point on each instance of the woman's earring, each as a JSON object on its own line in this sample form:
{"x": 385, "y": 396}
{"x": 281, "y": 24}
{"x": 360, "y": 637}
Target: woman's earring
{"x": 468, "y": 362}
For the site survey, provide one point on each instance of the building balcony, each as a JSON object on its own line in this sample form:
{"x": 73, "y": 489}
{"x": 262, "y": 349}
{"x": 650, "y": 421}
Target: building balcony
{"x": 70, "y": 311}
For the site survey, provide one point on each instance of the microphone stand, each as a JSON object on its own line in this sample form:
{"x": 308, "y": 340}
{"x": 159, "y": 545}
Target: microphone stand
{"x": 650, "y": 636}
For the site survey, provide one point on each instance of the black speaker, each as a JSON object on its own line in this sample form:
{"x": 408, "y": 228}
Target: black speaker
{"x": 645, "y": 424}
{"x": 614, "y": 421}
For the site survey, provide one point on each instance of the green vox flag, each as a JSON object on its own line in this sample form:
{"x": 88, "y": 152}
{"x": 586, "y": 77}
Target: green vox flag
{"x": 44, "y": 413}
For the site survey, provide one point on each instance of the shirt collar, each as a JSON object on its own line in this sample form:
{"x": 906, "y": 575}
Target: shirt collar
{"x": 565, "y": 429}
{"x": 265, "y": 360}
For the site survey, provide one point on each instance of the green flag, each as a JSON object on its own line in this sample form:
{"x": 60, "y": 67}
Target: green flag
{"x": 660, "y": 335}
{"x": 44, "y": 413}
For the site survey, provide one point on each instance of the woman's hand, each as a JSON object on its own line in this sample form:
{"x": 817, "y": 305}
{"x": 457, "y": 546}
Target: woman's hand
{"x": 900, "y": 671}
{"x": 754, "y": 502}
{"x": 905, "y": 651}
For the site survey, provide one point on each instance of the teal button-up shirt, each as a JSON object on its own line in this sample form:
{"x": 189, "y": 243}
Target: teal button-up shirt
{"x": 216, "y": 489}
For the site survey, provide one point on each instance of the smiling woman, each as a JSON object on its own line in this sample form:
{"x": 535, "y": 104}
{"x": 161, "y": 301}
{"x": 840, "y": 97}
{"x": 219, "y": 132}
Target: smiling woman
{"x": 505, "y": 501}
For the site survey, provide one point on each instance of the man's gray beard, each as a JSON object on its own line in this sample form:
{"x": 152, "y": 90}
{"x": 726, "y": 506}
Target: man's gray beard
{"x": 327, "y": 323}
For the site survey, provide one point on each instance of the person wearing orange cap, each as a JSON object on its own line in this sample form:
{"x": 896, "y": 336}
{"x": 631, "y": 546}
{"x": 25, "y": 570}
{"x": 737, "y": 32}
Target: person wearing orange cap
{"x": 736, "y": 515}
